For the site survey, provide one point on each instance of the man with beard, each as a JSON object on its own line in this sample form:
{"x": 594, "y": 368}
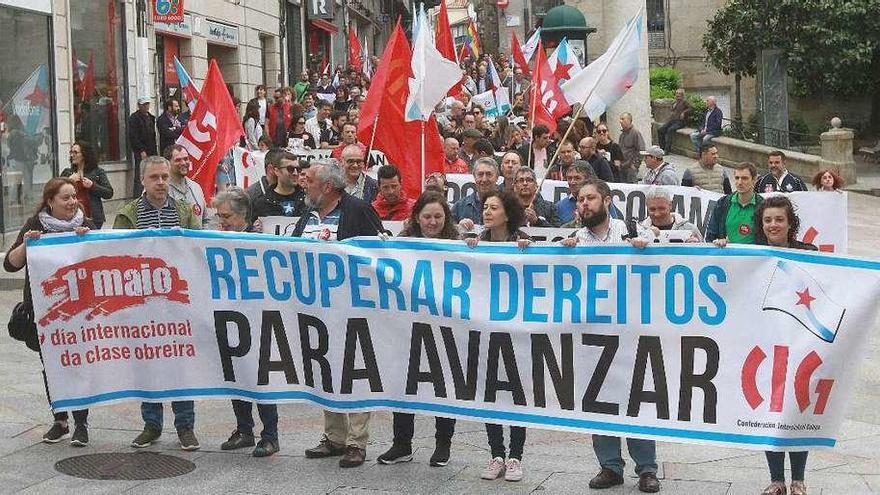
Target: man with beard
{"x": 336, "y": 215}
{"x": 170, "y": 124}
{"x": 576, "y": 175}
{"x": 597, "y": 226}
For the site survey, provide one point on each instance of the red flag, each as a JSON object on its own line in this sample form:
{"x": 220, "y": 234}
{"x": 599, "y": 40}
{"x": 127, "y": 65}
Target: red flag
{"x": 325, "y": 67}
{"x": 518, "y": 58}
{"x": 87, "y": 85}
{"x": 398, "y": 139}
{"x": 464, "y": 52}
{"x": 548, "y": 102}
{"x": 212, "y": 130}
{"x": 445, "y": 44}
{"x": 354, "y": 51}
{"x": 443, "y": 34}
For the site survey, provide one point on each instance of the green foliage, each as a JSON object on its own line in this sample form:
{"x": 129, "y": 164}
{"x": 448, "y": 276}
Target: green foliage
{"x": 800, "y": 131}
{"x": 831, "y": 46}
{"x": 699, "y": 113}
{"x": 664, "y": 82}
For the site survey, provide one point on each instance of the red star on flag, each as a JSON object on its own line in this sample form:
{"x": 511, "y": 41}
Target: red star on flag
{"x": 805, "y": 298}
{"x": 39, "y": 98}
{"x": 561, "y": 71}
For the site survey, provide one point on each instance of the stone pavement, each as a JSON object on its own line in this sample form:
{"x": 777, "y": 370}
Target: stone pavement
{"x": 554, "y": 462}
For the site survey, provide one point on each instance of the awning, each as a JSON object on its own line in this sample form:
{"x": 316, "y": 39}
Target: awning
{"x": 326, "y": 26}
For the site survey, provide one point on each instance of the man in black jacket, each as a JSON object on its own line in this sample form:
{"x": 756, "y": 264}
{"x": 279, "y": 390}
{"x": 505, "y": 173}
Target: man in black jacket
{"x": 336, "y": 215}
{"x": 141, "y": 139}
{"x": 170, "y": 124}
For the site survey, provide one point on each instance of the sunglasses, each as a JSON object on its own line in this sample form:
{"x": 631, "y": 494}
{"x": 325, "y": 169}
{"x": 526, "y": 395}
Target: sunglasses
{"x": 601, "y": 131}
{"x": 291, "y": 169}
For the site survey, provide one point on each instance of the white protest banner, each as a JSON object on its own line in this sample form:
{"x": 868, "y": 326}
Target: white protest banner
{"x": 250, "y": 165}
{"x": 823, "y": 215}
{"x": 487, "y": 101}
{"x": 285, "y": 225}
{"x": 741, "y": 346}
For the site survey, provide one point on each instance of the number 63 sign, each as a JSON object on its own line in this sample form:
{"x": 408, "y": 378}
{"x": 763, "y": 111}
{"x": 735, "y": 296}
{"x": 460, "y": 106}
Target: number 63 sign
{"x": 167, "y": 11}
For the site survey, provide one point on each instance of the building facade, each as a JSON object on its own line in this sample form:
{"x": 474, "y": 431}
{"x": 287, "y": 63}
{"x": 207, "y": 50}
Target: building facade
{"x": 74, "y": 70}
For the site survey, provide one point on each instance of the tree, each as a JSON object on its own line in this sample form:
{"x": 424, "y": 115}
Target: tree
{"x": 832, "y": 46}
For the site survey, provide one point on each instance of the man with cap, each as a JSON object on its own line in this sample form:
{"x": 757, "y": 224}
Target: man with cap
{"x": 467, "y": 152}
{"x": 659, "y": 172}
{"x": 141, "y": 139}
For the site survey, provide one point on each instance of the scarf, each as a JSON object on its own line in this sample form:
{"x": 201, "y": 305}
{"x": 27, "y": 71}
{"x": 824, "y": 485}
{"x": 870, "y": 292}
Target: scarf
{"x": 52, "y": 224}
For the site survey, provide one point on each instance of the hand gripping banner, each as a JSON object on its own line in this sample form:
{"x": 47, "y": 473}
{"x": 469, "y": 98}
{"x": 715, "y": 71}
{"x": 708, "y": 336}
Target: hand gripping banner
{"x": 741, "y": 346}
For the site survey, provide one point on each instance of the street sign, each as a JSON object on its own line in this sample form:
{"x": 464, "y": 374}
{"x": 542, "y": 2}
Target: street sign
{"x": 321, "y": 9}
{"x": 167, "y": 11}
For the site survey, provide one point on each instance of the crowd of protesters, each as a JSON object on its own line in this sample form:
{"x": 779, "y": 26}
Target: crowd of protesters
{"x": 335, "y": 198}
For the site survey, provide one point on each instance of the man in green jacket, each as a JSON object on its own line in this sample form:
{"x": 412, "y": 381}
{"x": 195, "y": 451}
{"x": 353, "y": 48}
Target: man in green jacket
{"x": 733, "y": 219}
{"x": 155, "y": 209}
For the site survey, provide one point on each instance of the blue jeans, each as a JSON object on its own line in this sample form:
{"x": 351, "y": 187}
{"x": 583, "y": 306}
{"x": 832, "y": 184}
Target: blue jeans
{"x": 699, "y": 139}
{"x": 184, "y": 414}
{"x": 643, "y": 452}
{"x": 244, "y": 417}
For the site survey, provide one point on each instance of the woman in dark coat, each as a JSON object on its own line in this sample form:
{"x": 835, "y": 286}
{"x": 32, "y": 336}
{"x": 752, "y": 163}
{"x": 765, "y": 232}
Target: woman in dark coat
{"x": 90, "y": 180}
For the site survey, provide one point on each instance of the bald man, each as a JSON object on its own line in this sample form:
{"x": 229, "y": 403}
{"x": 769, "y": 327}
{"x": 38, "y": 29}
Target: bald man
{"x": 632, "y": 144}
{"x": 711, "y": 125}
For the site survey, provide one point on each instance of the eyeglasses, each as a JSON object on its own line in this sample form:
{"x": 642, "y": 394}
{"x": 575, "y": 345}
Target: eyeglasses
{"x": 601, "y": 131}
{"x": 355, "y": 160}
{"x": 524, "y": 180}
{"x": 302, "y": 122}
{"x": 291, "y": 169}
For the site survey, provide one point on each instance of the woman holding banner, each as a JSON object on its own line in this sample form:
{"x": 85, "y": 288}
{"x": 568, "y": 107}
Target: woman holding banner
{"x": 430, "y": 218}
{"x": 503, "y": 215}
{"x": 59, "y": 211}
{"x": 233, "y": 212}
{"x": 779, "y": 226}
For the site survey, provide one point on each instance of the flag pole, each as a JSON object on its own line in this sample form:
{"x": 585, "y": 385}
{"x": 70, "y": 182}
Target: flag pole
{"x": 589, "y": 95}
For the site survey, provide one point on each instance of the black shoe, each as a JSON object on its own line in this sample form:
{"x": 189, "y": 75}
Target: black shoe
{"x": 397, "y": 453}
{"x": 440, "y": 457}
{"x": 238, "y": 440}
{"x": 649, "y": 483}
{"x": 325, "y": 448}
{"x": 606, "y": 479}
{"x": 56, "y": 433}
{"x": 188, "y": 440}
{"x": 353, "y": 457}
{"x": 80, "y": 437}
{"x": 265, "y": 448}
{"x": 147, "y": 437}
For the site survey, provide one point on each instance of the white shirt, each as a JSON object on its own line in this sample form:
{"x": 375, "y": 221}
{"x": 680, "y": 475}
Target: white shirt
{"x": 314, "y": 129}
{"x": 616, "y": 230}
{"x": 539, "y": 162}
{"x": 190, "y": 193}
{"x": 263, "y": 107}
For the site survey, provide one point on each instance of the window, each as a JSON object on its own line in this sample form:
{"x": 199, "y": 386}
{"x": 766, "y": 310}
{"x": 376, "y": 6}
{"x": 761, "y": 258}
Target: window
{"x": 27, "y": 107}
{"x": 97, "y": 50}
{"x": 656, "y": 24}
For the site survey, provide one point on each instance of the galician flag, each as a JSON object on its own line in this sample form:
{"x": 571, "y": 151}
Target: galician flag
{"x": 187, "y": 86}
{"x": 502, "y": 100}
{"x": 793, "y": 291}
{"x": 610, "y": 76}
{"x": 531, "y": 45}
{"x": 433, "y": 74}
{"x": 32, "y": 102}
{"x": 564, "y": 62}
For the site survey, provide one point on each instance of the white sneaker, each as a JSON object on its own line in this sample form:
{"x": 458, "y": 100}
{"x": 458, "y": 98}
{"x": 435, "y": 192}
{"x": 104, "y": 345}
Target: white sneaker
{"x": 494, "y": 469}
{"x": 513, "y": 470}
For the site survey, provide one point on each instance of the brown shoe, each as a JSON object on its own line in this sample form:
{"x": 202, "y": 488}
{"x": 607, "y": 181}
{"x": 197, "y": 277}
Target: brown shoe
{"x": 325, "y": 448}
{"x": 353, "y": 457}
{"x": 648, "y": 483}
{"x": 606, "y": 479}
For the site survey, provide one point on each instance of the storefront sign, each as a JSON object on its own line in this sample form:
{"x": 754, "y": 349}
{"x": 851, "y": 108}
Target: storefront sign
{"x": 321, "y": 9}
{"x": 168, "y": 11}
{"x": 183, "y": 28}
{"x": 221, "y": 33}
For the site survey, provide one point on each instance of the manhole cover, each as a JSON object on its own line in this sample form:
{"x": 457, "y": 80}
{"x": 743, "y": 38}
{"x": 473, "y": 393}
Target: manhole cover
{"x": 124, "y": 466}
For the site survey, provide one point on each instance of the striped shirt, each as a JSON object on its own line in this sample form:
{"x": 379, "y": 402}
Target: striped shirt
{"x": 149, "y": 217}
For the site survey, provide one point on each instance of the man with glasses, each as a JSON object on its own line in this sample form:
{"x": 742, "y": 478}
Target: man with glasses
{"x": 287, "y": 198}
{"x": 539, "y": 211}
{"x": 357, "y": 183}
{"x": 565, "y": 158}
{"x": 609, "y": 149}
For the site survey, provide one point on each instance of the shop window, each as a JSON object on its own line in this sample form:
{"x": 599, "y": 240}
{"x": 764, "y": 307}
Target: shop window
{"x": 97, "y": 47}
{"x": 27, "y": 108}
